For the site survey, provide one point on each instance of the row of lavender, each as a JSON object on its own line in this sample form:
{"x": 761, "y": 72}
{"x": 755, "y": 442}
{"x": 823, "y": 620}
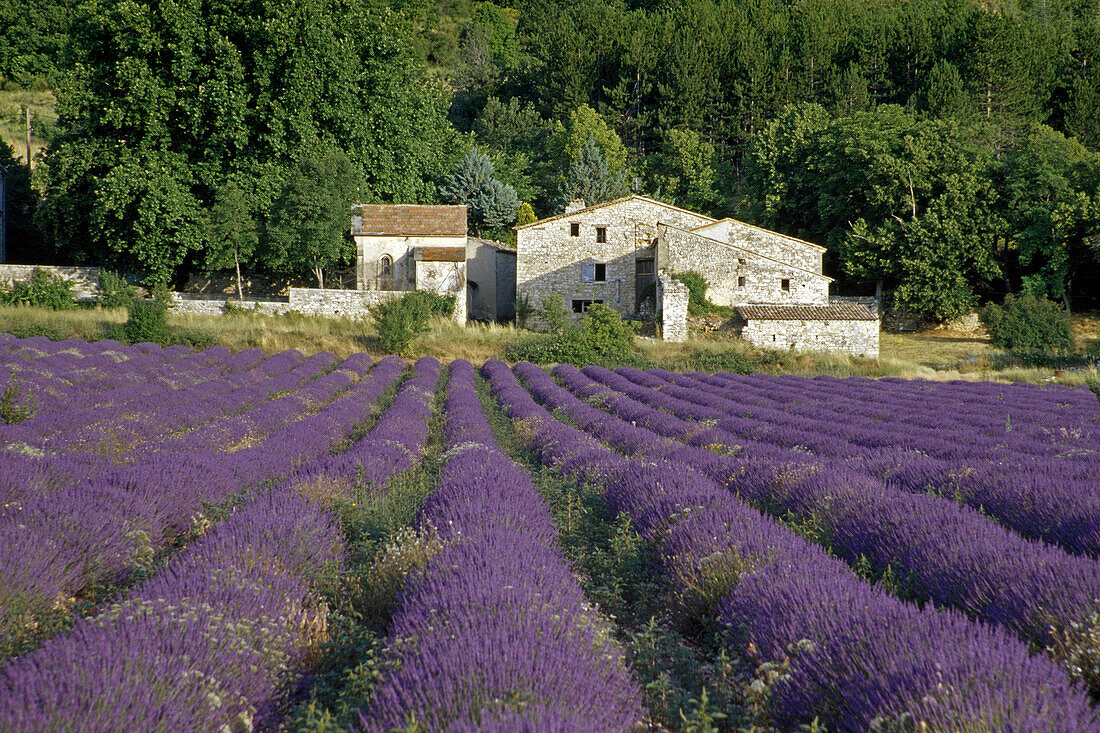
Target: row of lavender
{"x": 54, "y": 545}
{"x": 494, "y": 634}
{"x": 217, "y": 639}
{"x": 867, "y": 655}
{"x": 1027, "y": 456}
{"x": 936, "y": 548}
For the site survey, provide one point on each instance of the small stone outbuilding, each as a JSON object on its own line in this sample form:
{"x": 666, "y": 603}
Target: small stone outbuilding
{"x": 409, "y": 247}
{"x": 846, "y": 328}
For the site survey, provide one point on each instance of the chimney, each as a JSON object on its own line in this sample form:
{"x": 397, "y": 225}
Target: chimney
{"x": 575, "y": 205}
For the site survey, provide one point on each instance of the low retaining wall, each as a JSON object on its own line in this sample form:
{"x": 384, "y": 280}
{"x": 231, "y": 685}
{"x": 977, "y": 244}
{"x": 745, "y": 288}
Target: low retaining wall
{"x": 85, "y": 280}
{"x": 324, "y": 303}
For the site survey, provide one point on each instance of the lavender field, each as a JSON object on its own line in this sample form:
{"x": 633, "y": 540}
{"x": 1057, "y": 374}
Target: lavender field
{"x": 209, "y": 541}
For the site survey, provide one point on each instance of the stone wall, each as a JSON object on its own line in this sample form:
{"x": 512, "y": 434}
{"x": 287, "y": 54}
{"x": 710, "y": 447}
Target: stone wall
{"x": 326, "y": 303}
{"x": 738, "y": 276}
{"x": 550, "y": 261}
{"x": 856, "y": 338}
{"x": 672, "y": 302}
{"x": 85, "y": 280}
{"x": 771, "y": 244}
{"x": 445, "y": 278}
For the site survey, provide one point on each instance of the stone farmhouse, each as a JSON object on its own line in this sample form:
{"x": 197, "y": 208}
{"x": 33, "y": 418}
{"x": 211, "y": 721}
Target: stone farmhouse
{"x": 621, "y": 254}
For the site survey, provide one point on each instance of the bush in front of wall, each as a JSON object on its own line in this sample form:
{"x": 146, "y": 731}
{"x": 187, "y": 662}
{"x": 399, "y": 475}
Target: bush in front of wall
{"x": 1027, "y": 323}
{"x": 400, "y": 321}
{"x": 114, "y": 291}
{"x": 43, "y": 289}
{"x": 147, "y": 322}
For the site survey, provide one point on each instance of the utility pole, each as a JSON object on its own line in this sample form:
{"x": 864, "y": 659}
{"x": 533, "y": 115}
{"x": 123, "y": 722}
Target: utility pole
{"x": 28, "y": 137}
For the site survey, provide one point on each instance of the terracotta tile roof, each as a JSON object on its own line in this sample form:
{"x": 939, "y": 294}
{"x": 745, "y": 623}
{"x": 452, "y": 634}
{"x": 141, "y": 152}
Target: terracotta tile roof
{"x": 409, "y": 220}
{"x": 832, "y": 312}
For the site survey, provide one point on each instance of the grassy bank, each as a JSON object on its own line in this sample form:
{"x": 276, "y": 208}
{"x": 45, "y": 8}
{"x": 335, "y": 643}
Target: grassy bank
{"x": 13, "y": 130}
{"x": 935, "y": 354}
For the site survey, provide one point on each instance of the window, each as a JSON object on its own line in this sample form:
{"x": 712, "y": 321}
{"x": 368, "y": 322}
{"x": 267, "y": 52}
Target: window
{"x": 593, "y": 272}
{"x": 643, "y": 267}
{"x": 385, "y": 266}
{"x": 741, "y": 260}
{"x": 601, "y": 234}
{"x": 581, "y": 306}
{"x": 574, "y": 229}
{"x": 785, "y": 285}
{"x": 740, "y": 282}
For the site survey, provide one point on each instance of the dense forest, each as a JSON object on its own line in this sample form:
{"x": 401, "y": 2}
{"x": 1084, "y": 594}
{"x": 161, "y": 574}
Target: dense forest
{"x": 948, "y": 150}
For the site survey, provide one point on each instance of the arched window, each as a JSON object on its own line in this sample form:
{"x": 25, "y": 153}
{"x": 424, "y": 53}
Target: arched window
{"x": 385, "y": 266}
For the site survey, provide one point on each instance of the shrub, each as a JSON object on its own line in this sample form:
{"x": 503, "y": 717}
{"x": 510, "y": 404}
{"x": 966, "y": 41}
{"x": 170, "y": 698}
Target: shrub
{"x": 114, "y": 292}
{"x": 524, "y": 309}
{"x": 603, "y": 332}
{"x": 697, "y": 292}
{"x": 398, "y": 322}
{"x": 147, "y": 322}
{"x": 602, "y": 337}
{"x": 434, "y": 303}
{"x": 552, "y": 313}
{"x": 1027, "y": 323}
{"x": 43, "y": 289}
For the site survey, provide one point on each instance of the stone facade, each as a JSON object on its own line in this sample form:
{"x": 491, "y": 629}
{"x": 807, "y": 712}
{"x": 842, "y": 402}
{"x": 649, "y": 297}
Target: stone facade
{"x": 612, "y": 252}
{"x": 85, "y": 280}
{"x": 490, "y": 280}
{"x": 841, "y": 328}
{"x": 672, "y": 304}
{"x": 564, "y": 255}
{"x": 737, "y": 274}
{"x": 405, "y": 247}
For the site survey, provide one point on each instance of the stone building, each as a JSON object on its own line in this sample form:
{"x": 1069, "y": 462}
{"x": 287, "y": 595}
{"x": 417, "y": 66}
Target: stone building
{"x": 612, "y": 253}
{"x": 491, "y": 280}
{"x": 407, "y": 247}
{"x": 403, "y": 247}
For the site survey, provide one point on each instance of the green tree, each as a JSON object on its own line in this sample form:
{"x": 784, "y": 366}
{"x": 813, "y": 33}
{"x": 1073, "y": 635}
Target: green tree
{"x": 232, "y": 232}
{"x": 590, "y": 178}
{"x": 165, "y": 103}
{"x": 943, "y": 93}
{"x": 1052, "y": 188}
{"x": 901, "y": 201}
{"x": 490, "y": 202}
{"x": 684, "y": 170}
{"x": 309, "y": 226}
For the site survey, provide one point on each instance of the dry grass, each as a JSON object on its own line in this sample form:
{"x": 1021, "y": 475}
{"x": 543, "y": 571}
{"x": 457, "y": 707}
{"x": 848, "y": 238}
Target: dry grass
{"x": 935, "y": 355}
{"x": 13, "y": 124}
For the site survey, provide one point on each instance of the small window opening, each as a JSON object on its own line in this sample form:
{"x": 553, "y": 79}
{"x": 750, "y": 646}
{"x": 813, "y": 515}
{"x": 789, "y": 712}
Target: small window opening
{"x": 581, "y": 306}
{"x": 741, "y": 260}
{"x": 740, "y": 282}
{"x": 599, "y": 272}
{"x": 601, "y": 234}
{"x": 773, "y": 337}
{"x": 385, "y": 265}
{"x": 574, "y": 229}
{"x": 785, "y": 285}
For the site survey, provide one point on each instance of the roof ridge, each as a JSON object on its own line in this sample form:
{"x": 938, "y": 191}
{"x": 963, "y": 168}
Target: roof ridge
{"x": 617, "y": 201}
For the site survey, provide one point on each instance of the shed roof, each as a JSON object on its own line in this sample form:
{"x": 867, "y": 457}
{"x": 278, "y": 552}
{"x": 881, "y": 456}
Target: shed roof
{"x": 410, "y": 220}
{"x": 831, "y": 312}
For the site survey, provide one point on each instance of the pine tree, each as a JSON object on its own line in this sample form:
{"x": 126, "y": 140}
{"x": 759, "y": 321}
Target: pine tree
{"x": 591, "y": 179}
